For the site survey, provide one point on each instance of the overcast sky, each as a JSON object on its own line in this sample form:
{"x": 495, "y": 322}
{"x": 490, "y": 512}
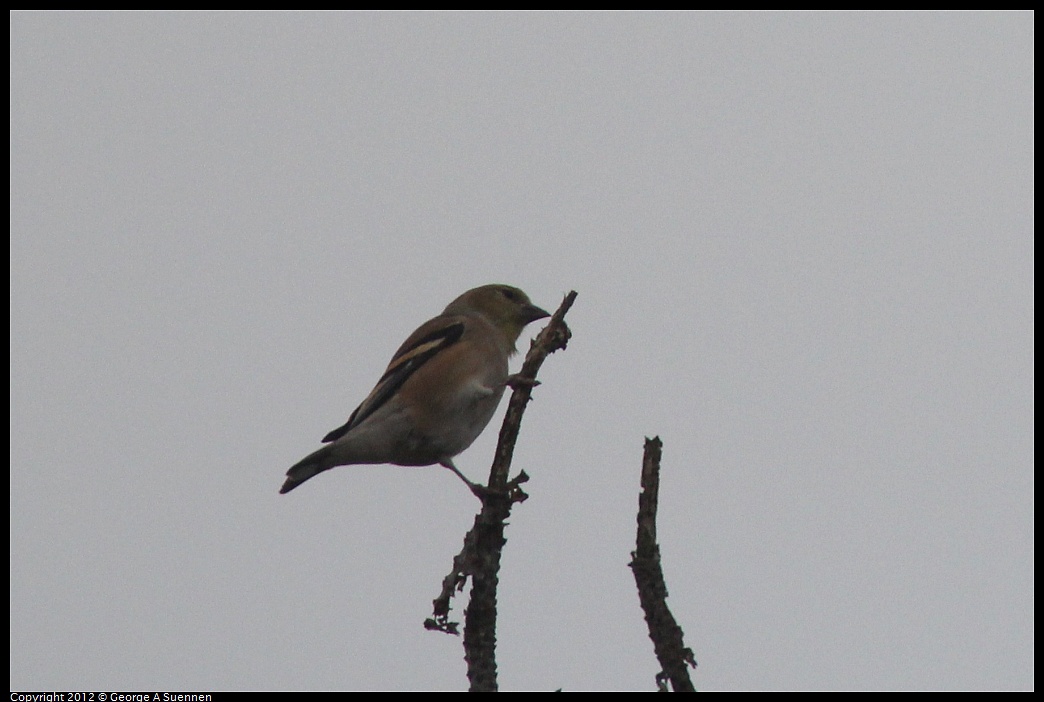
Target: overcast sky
{"x": 803, "y": 246}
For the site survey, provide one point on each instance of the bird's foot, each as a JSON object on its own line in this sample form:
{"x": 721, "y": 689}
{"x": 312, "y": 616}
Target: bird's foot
{"x": 517, "y": 381}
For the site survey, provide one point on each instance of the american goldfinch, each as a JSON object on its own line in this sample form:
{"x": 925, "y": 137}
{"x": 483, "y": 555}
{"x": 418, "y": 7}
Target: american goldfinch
{"x": 439, "y": 391}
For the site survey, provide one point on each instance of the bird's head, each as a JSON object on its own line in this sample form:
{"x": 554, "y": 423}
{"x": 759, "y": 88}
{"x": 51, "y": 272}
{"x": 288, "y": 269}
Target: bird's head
{"x": 507, "y": 307}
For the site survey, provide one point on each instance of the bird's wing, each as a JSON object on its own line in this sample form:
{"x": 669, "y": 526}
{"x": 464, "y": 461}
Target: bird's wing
{"x": 432, "y": 338}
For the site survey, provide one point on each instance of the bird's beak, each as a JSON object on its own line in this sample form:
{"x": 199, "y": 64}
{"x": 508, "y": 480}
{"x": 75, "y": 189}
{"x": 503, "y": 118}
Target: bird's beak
{"x": 532, "y": 313}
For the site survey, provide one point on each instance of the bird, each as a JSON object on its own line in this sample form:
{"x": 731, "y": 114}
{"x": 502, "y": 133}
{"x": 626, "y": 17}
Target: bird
{"x": 438, "y": 393}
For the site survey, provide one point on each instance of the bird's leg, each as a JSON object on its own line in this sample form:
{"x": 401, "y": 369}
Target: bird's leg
{"x": 479, "y": 491}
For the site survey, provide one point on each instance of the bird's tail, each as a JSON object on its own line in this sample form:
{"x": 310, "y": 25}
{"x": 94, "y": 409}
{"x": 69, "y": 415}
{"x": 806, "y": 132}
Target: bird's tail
{"x": 308, "y": 467}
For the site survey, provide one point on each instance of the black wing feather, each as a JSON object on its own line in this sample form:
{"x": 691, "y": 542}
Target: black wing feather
{"x": 398, "y": 373}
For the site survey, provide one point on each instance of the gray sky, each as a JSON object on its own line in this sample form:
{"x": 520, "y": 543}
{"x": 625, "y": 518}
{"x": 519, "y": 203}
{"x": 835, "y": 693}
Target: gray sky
{"x": 803, "y": 245}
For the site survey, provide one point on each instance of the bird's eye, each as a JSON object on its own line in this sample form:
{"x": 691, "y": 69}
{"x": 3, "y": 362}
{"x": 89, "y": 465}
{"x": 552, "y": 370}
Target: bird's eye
{"x": 510, "y": 294}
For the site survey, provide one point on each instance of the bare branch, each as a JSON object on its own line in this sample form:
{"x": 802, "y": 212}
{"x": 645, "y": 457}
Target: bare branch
{"x": 664, "y": 631}
{"x": 480, "y": 557}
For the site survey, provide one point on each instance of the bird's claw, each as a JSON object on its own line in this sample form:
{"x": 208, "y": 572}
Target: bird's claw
{"x": 511, "y": 492}
{"x": 517, "y": 381}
